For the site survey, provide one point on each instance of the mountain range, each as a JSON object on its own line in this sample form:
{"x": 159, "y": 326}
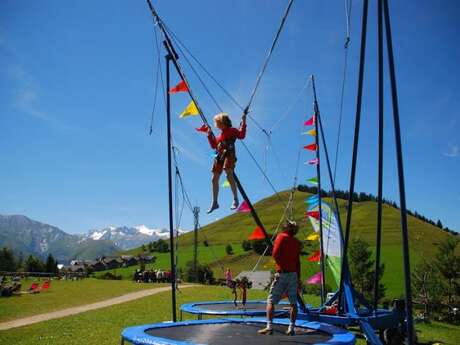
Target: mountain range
{"x": 30, "y": 237}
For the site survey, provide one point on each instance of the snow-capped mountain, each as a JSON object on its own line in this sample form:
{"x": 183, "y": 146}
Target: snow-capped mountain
{"x": 128, "y": 237}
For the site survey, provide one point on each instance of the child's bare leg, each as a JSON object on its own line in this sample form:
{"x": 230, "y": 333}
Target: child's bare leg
{"x": 215, "y": 191}
{"x": 232, "y": 183}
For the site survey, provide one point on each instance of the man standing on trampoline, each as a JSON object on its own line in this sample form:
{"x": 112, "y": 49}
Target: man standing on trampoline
{"x": 286, "y": 252}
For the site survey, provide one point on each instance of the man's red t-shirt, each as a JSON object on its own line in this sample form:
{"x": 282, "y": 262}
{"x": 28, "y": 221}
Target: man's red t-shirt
{"x": 286, "y": 252}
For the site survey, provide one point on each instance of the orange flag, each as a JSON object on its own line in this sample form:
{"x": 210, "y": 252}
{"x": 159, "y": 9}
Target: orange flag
{"x": 257, "y": 234}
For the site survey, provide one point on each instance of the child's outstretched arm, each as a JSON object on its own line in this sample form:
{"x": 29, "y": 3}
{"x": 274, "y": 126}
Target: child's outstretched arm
{"x": 241, "y": 134}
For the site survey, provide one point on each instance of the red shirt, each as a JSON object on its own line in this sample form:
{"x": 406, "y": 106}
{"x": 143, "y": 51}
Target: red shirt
{"x": 286, "y": 252}
{"x": 229, "y": 133}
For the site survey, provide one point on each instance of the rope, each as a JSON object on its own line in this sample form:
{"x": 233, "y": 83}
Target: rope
{"x": 267, "y": 59}
{"x": 158, "y": 71}
{"x": 348, "y": 4}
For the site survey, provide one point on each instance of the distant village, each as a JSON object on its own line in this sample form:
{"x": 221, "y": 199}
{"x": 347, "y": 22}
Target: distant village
{"x": 107, "y": 263}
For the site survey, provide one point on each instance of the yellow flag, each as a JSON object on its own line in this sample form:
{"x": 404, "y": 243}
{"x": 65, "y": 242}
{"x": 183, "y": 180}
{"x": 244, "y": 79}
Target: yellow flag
{"x": 190, "y": 110}
{"x": 313, "y": 237}
{"x": 226, "y": 184}
{"x": 312, "y": 132}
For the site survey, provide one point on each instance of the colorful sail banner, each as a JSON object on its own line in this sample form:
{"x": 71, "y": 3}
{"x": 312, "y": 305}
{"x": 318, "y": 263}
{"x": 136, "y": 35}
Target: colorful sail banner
{"x": 191, "y": 110}
{"x": 312, "y": 200}
{"x": 310, "y": 121}
{"x": 315, "y": 279}
{"x": 311, "y": 147}
{"x": 313, "y": 214}
{"x": 257, "y": 234}
{"x": 332, "y": 242}
{"x": 181, "y": 87}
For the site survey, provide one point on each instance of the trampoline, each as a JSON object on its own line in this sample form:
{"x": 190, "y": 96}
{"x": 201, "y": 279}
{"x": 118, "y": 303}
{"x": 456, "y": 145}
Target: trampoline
{"x": 234, "y": 331}
{"x": 228, "y": 308}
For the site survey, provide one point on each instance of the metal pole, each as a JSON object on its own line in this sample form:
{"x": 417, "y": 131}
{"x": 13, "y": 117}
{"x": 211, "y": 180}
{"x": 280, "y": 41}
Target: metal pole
{"x": 402, "y": 192}
{"x": 318, "y": 174}
{"x": 380, "y": 153}
{"x": 171, "y": 225}
{"x": 196, "y": 215}
{"x": 355, "y": 147}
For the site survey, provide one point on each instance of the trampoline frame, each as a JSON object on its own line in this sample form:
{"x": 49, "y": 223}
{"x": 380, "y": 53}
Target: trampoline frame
{"x": 137, "y": 335}
{"x": 196, "y": 308}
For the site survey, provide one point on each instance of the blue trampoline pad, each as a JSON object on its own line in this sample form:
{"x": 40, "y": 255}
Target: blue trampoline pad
{"x": 235, "y": 331}
{"x": 228, "y": 308}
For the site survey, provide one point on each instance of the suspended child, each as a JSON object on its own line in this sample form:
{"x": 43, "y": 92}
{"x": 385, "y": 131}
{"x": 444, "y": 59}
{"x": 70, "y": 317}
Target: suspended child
{"x": 225, "y": 159}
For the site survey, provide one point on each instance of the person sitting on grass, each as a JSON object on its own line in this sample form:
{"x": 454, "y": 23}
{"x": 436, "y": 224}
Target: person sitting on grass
{"x": 286, "y": 252}
{"x": 225, "y": 159}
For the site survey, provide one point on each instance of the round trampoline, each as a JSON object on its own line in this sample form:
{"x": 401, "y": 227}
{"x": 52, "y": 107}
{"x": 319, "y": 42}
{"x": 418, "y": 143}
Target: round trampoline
{"x": 235, "y": 331}
{"x": 228, "y": 308}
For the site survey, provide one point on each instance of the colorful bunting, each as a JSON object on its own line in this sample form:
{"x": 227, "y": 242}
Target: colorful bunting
{"x": 257, "y": 234}
{"x": 313, "y": 180}
{"x": 310, "y": 122}
{"x": 244, "y": 208}
{"x": 203, "y": 129}
{"x": 315, "y": 279}
{"x": 313, "y": 161}
{"x": 181, "y": 87}
{"x": 313, "y": 214}
{"x": 315, "y": 257}
{"x": 226, "y": 184}
{"x": 311, "y": 147}
{"x": 311, "y": 132}
{"x": 191, "y": 110}
{"x": 312, "y": 237}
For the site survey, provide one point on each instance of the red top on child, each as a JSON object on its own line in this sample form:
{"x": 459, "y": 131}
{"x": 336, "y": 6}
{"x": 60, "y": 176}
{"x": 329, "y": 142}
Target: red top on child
{"x": 286, "y": 251}
{"x": 229, "y": 133}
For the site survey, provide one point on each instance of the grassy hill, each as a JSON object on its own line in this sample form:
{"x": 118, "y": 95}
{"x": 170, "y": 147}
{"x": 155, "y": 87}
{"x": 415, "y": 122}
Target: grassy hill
{"x": 424, "y": 239}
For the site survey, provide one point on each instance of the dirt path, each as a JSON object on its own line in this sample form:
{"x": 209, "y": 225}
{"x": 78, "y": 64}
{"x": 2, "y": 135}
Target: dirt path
{"x": 83, "y": 308}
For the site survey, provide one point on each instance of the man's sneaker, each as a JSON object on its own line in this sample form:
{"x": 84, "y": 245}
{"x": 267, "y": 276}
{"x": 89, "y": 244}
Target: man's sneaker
{"x": 235, "y": 204}
{"x": 213, "y": 207}
{"x": 265, "y": 330}
{"x": 290, "y": 331}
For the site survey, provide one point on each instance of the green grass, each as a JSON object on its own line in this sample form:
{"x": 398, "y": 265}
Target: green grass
{"x": 104, "y": 326}
{"x": 424, "y": 239}
{"x": 64, "y": 294}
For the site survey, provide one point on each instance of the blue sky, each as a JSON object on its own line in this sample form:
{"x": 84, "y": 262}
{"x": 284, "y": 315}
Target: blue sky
{"x": 77, "y": 86}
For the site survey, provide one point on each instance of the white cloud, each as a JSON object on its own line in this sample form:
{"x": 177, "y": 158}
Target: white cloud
{"x": 454, "y": 151}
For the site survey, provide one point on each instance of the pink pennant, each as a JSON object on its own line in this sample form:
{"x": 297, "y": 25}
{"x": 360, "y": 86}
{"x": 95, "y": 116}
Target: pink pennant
{"x": 310, "y": 121}
{"x": 244, "y": 207}
{"x": 314, "y": 161}
{"x": 315, "y": 279}
{"x": 203, "y": 129}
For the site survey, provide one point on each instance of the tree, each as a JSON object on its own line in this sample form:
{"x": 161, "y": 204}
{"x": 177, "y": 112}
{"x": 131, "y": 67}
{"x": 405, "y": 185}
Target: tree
{"x": 426, "y": 286}
{"x": 204, "y": 273}
{"x": 7, "y": 260}
{"x": 362, "y": 270}
{"x": 229, "y": 249}
{"x": 448, "y": 264}
{"x": 246, "y": 245}
{"x": 51, "y": 265}
{"x": 33, "y": 264}
{"x": 439, "y": 224}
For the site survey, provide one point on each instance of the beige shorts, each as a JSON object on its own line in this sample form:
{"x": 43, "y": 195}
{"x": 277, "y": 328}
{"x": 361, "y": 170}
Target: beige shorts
{"x": 283, "y": 283}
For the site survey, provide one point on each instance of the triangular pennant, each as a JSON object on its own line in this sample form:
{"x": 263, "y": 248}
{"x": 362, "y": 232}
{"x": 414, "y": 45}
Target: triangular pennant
{"x": 313, "y": 214}
{"x": 311, "y": 147}
{"x": 226, "y": 184}
{"x": 203, "y": 129}
{"x": 315, "y": 279}
{"x": 181, "y": 87}
{"x": 310, "y": 121}
{"x": 313, "y": 180}
{"x": 191, "y": 110}
{"x": 244, "y": 207}
{"x": 311, "y": 132}
{"x": 257, "y": 234}
{"x": 313, "y": 237}
{"x": 314, "y": 161}
{"x": 315, "y": 257}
